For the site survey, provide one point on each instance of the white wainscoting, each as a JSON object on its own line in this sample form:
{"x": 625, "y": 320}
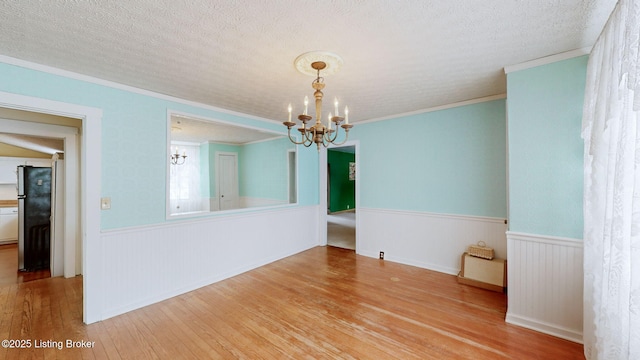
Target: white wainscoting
{"x": 427, "y": 240}
{"x": 144, "y": 265}
{"x": 545, "y": 281}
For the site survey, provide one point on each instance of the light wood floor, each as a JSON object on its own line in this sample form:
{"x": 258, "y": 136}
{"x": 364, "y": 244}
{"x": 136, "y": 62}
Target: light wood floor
{"x": 324, "y": 303}
{"x": 341, "y": 230}
{"x": 9, "y": 273}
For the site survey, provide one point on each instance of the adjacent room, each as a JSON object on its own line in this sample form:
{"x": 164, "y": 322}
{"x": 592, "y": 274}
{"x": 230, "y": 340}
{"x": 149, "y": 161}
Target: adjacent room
{"x": 303, "y": 179}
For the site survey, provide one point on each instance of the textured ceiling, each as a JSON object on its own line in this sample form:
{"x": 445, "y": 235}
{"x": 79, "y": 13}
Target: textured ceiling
{"x": 399, "y": 56}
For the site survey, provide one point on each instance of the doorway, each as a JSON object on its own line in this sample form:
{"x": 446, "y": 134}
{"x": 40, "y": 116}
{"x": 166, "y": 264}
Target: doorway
{"x": 82, "y": 222}
{"x": 341, "y": 197}
{"x": 43, "y": 140}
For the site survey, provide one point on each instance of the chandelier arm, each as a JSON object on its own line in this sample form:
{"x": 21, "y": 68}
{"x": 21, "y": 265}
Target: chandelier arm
{"x": 309, "y": 136}
{"x": 346, "y": 137}
{"x": 293, "y": 139}
{"x": 335, "y": 136}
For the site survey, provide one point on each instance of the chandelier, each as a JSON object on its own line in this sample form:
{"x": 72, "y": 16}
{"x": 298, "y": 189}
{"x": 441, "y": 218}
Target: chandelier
{"x": 177, "y": 159}
{"x": 319, "y": 133}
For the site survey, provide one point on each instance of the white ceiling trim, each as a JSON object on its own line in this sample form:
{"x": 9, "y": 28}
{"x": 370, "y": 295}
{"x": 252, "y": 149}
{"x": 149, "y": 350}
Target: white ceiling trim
{"x": 90, "y": 79}
{"x": 183, "y": 114}
{"x": 187, "y": 143}
{"x": 438, "y": 108}
{"x": 548, "y": 59}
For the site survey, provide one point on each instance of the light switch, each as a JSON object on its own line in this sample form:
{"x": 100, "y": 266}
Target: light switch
{"x": 105, "y": 203}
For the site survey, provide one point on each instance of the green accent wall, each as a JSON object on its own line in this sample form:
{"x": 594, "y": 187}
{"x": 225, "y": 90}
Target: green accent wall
{"x": 545, "y": 148}
{"x": 134, "y": 141}
{"x": 451, "y": 161}
{"x": 342, "y": 191}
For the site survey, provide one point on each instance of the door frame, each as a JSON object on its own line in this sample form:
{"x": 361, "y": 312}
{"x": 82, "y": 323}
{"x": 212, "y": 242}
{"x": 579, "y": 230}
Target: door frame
{"x": 322, "y": 216}
{"x": 86, "y": 221}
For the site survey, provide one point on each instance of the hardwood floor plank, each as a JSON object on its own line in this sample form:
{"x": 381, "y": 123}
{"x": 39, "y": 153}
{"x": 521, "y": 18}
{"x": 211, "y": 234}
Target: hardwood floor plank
{"x": 104, "y": 348}
{"x": 182, "y": 320}
{"x": 324, "y": 303}
{"x": 224, "y": 337}
{"x": 310, "y": 311}
{"x": 8, "y": 294}
{"x": 156, "y": 339}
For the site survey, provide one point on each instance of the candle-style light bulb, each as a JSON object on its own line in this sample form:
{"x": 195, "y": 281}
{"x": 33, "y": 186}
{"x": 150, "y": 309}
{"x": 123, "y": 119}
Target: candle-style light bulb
{"x": 289, "y": 108}
{"x": 306, "y": 104}
{"x": 335, "y": 103}
{"x": 329, "y": 120}
{"x": 346, "y": 115}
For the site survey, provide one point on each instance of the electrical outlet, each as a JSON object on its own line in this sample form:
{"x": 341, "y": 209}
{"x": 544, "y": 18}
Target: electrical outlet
{"x": 381, "y": 255}
{"x": 105, "y": 203}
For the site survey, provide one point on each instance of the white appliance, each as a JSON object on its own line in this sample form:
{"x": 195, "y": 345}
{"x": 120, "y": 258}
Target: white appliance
{"x": 8, "y": 225}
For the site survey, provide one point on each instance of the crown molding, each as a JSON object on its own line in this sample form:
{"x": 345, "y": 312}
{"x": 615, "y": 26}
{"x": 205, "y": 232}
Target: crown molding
{"x": 548, "y": 59}
{"x": 437, "y": 108}
{"x": 90, "y": 79}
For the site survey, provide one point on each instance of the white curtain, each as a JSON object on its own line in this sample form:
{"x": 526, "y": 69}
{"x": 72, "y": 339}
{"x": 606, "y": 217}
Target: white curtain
{"x": 612, "y": 190}
{"x": 184, "y": 181}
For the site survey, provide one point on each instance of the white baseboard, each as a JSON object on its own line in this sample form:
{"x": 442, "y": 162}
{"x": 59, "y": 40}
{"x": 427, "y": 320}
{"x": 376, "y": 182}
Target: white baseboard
{"x": 546, "y": 328}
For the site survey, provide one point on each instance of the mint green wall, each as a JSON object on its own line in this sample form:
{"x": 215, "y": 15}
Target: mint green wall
{"x": 545, "y": 148}
{"x": 264, "y": 167}
{"x": 451, "y": 161}
{"x": 342, "y": 190}
{"x": 205, "y": 171}
{"x": 134, "y": 140}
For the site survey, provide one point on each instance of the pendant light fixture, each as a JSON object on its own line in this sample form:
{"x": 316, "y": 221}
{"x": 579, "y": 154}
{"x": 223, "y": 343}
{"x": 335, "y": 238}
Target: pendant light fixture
{"x": 319, "y": 134}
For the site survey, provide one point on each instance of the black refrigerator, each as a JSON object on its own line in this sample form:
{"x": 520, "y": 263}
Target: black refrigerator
{"x": 34, "y": 217}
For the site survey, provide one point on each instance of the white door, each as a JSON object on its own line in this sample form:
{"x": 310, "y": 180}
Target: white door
{"x": 227, "y": 180}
